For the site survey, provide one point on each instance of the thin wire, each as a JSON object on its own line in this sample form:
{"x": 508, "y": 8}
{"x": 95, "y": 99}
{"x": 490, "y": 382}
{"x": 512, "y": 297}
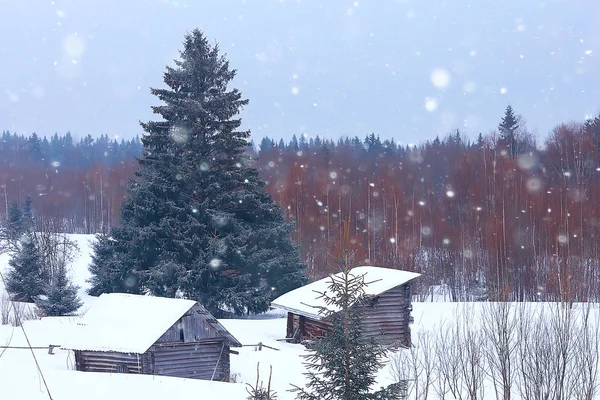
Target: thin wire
{"x": 28, "y": 348}
{"x": 18, "y": 320}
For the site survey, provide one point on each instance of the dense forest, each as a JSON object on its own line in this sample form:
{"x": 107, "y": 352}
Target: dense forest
{"x": 76, "y": 186}
{"x": 499, "y": 217}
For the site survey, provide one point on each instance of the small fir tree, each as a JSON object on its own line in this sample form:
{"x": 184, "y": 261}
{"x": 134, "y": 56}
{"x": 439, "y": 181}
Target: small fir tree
{"x": 18, "y": 222}
{"x": 26, "y": 279}
{"x": 27, "y": 215}
{"x": 61, "y": 296}
{"x": 592, "y": 128}
{"x": 13, "y": 228}
{"x": 508, "y": 128}
{"x": 343, "y": 364}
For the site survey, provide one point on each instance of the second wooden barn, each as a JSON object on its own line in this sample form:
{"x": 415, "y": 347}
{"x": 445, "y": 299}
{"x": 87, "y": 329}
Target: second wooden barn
{"x": 152, "y": 335}
{"x": 386, "y": 316}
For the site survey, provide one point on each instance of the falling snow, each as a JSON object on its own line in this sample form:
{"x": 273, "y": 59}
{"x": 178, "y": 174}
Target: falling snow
{"x": 431, "y": 104}
{"x": 440, "y": 78}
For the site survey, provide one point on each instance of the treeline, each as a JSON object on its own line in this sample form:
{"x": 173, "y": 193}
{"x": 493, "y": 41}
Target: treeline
{"x": 500, "y": 217}
{"x": 495, "y": 218}
{"x": 76, "y": 186}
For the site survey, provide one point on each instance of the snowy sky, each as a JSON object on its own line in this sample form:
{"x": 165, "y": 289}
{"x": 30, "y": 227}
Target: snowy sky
{"x": 405, "y": 69}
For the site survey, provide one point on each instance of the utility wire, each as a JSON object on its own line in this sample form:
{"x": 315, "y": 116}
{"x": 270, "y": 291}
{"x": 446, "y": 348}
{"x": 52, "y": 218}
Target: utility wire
{"x": 18, "y": 321}
{"x": 27, "y": 348}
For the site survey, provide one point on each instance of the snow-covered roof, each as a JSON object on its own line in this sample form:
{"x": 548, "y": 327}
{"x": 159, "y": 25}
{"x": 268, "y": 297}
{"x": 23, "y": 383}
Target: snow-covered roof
{"x": 304, "y": 301}
{"x": 130, "y": 323}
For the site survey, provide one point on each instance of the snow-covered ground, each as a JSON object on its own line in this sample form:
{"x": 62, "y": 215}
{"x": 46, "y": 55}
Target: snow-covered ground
{"x": 20, "y": 378}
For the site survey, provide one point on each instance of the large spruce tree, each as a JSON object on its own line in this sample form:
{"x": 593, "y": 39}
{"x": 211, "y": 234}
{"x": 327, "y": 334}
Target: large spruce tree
{"x": 109, "y": 269}
{"x": 197, "y": 221}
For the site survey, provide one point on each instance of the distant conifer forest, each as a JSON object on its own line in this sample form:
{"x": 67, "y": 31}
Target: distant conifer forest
{"x": 500, "y": 216}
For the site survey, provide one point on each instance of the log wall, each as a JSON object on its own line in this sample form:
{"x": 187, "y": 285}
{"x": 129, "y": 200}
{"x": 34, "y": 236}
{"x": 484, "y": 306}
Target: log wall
{"x": 193, "y": 360}
{"x": 207, "y": 359}
{"x": 386, "y": 318}
{"x": 100, "y": 361}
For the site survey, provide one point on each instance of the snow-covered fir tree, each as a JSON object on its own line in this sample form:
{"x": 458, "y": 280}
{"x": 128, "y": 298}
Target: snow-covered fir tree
{"x": 26, "y": 279}
{"x": 17, "y": 223}
{"x": 508, "y": 128}
{"x": 109, "y": 274}
{"x": 61, "y": 296}
{"x": 197, "y": 221}
{"x": 343, "y": 364}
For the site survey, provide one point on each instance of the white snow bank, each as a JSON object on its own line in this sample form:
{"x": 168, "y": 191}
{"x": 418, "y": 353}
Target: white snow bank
{"x": 71, "y": 385}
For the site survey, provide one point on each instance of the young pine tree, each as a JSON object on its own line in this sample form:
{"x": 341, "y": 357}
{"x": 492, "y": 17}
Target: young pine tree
{"x": 13, "y": 228}
{"x": 198, "y": 220}
{"x": 508, "y": 128}
{"x": 343, "y": 364}
{"x": 61, "y": 296}
{"x": 26, "y": 279}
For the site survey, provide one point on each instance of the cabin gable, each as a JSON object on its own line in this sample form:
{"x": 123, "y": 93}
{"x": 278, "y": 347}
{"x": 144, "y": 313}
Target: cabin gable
{"x": 191, "y": 327}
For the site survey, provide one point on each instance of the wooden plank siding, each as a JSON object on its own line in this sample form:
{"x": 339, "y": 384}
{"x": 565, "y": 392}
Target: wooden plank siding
{"x": 195, "y": 328}
{"x": 198, "y": 360}
{"x": 191, "y": 327}
{"x": 99, "y": 361}
{"x": 185, "y": 360}
{"x": 173, "y": 334}
{"x": 290, "y": 330}
{"x": 386, "y": 318}
{"x": 314, "y": 329}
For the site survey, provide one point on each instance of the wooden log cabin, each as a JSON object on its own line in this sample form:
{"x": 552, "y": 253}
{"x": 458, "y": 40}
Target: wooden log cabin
{"x": 386, "y": 315}
{"x": 134, "y": 334}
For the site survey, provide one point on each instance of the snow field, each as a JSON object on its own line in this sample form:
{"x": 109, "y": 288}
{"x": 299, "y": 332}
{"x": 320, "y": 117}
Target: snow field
{"x": 19, "y": 377}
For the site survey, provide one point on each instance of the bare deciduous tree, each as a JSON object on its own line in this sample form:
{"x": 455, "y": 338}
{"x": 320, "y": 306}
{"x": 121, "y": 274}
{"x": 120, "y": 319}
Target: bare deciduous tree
{"x": 472, "y": 361}
{"x": 532, "y": 351}
{"x": 22, "y": 312}
{"x": 57, "y": 250}
{"x": 414, "y": 366}
{"x": 498, "y": 327}
{"x": 587, "y": 354}
{"x": 447, "y": 357}
{"x": 4, "y": 309}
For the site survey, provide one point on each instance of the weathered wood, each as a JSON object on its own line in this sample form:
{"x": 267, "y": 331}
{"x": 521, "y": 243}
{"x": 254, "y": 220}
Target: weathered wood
{"x": 388, "y": 318}
{"x": 196, "y": 328}
{"x": 385, "y": 317}
{"x": 290, "y": 325}
{"x": 97, "y": 361}
{"x": 315, "y": 328}
{"x": 173, "y": 334}
{"x": 192, "y": 360}
{"x": 195, "y": 346}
